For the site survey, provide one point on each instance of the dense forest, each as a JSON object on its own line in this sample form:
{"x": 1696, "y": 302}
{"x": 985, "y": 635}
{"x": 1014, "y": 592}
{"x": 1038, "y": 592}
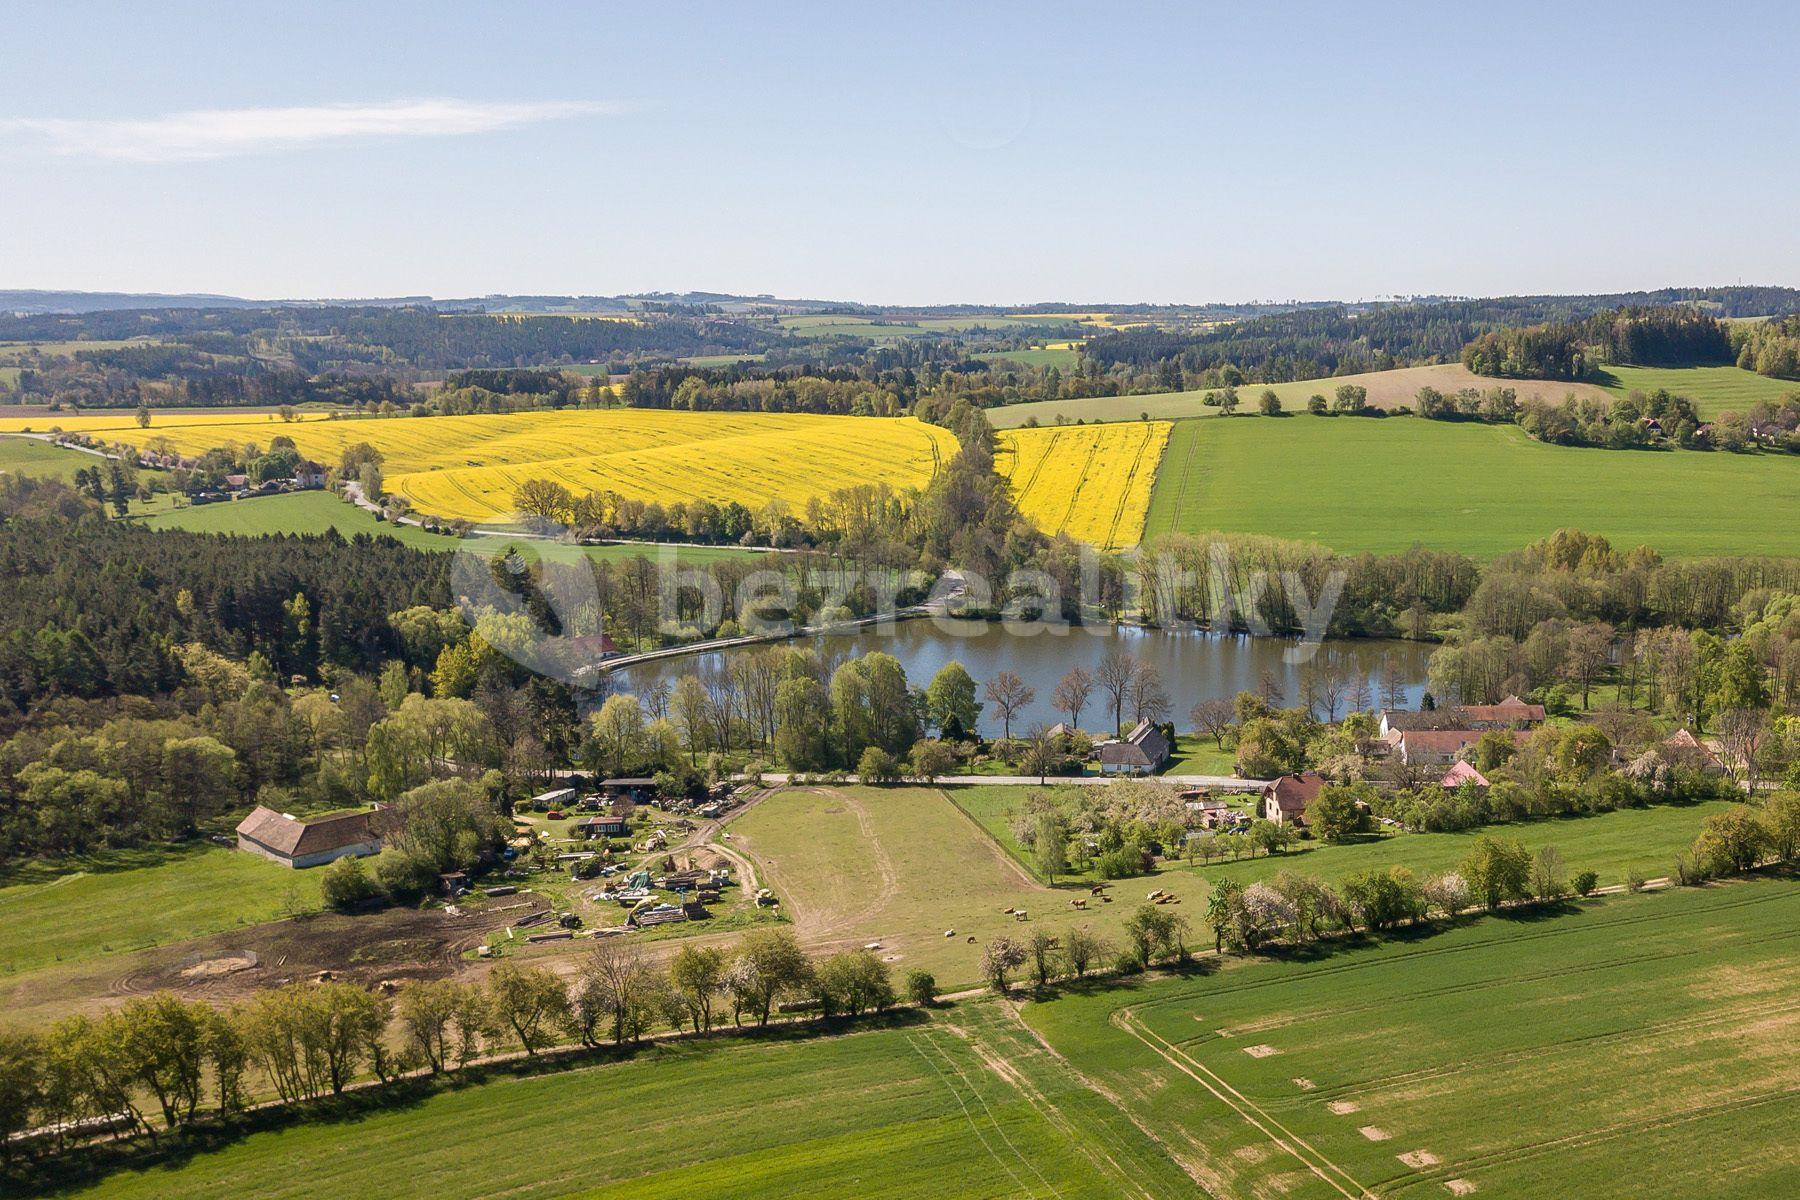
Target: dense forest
{"x": 437, "y": 359}
{"x": 1342, "y": 340}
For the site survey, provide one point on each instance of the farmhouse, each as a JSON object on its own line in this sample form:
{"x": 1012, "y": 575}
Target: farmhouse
{"x": 1142, "y": 750}
{"x": 602, "y": 826}
{"x": 1683, "y": 749}
{"x": 1460, "y": 773}
{"x": 296, "y": 843}
{"x": 1432, "y": 747}
{"x": 1510, "y": 713}
{"x": 1285, "y": 800}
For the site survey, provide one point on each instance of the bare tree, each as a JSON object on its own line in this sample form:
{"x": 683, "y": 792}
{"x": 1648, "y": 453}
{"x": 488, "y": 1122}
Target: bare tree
{"x": 1149, "y": 699}
{"x": 1742, "y": 732}
{"x": 1333, "y": 682}
{"x": 1041, "y": 753}
{"x": 1072, "y": 692}
{"x": 1009, "y": 695}
{"x": 1115, "y": 674}
{"x": 1269, "y": 688}
{"x": 1213, "y": 718}
{"x": 1393, "y": 692}
{"x": 1586, "y": 655}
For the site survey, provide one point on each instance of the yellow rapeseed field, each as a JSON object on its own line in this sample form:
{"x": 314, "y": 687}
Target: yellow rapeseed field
{"x": 469, "y": 466}
{"x": 1091, "y": 482}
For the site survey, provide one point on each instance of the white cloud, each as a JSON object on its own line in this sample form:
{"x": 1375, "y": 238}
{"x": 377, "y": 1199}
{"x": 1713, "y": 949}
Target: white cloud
{"x": 227, "y": 132}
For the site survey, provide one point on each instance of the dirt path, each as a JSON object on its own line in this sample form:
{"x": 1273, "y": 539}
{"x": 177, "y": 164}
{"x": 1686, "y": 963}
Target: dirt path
{"x": 1282, "y": 1137}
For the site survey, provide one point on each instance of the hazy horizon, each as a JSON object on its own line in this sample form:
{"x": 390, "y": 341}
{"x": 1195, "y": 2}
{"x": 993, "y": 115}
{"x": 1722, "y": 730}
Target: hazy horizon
{"x": 1009, "y": 155}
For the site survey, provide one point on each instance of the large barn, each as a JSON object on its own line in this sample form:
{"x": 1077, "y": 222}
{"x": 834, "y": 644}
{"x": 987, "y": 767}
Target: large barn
{"x": 296, "y": 843}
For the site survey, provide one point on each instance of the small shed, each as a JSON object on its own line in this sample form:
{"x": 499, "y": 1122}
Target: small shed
{"x": 563, "y": 797}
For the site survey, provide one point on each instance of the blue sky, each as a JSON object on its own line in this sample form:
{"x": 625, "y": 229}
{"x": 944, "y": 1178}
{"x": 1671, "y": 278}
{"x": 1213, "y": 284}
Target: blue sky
{"x": 906, "y": 153}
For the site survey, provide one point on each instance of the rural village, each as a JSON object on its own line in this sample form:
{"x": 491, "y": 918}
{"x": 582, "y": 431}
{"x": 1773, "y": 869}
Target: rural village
{"x": 1197, "y": 602}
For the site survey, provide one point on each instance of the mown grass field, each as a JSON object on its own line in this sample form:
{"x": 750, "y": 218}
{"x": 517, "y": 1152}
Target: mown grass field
{"x": 316, "y": 512}
{"x": 29, "y": 456}
{"x": 1713, "y": 390}
{"x": 1356, "y": 483}
{"x": 295, "y": 512}
{"x": 128, "y": 900}
{"x": 1387, "y": 390}
{"x": 1634, "y": 1046}
{"x": 902, "y": 865}
{"x": 1610, "y": 844}
{"x": 915, "y": 1110}
{"x": 1063, "y": 358}
{"x": 12, "y": 352}
{"x": 1091, "y": 482}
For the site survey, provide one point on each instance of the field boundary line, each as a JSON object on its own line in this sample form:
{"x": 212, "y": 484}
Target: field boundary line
{"x": 1037, "y": 468}
{"x": 1187, "y": 461}
{"x": 1137, "y": 460}
{"x": 1080, "y": 482}
{"x": 987, "y": 1109}
{"x": 1089, "y": 1145}
{"x": 1149, "y": 1133}
{"x": 1324, "y": 1168}
{"x": 970, "y": 1117}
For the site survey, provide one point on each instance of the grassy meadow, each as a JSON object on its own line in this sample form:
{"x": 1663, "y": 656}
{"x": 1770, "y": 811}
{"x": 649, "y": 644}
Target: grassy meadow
{"x": 1512, "y": 1056}
{"x": 1063, "y": 358}
{"x": 1644, "y": 839}
{"x": 128, "y": 900}
{"x": 1387, "y": 390}
{"x": 912, "y": 1110}
{"x": 1714, "y": 390}
{"x": 1355, "y": 483}
{"x": 900, "y": 866}
{"x": 317, "y": 512}
{"x": 29, "y": 456}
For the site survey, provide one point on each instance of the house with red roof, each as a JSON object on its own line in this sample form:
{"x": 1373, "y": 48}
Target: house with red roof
{"x": 1461, "y": 772}
{"x": 1285, "y": 800}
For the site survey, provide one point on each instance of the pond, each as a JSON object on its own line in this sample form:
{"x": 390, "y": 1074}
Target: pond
{"x": 1194, "y": 665}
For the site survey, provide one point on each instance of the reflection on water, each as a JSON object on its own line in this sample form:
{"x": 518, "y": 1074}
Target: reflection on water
{"x": 1193, "y": 665}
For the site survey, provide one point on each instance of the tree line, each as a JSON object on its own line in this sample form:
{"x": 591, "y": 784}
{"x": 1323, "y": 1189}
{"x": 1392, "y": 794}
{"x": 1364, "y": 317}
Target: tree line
{"x": 158, "y": 1064}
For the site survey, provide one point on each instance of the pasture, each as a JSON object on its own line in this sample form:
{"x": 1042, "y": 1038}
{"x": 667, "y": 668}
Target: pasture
{"x": 118, "y": 901}
{"x": 17, "y": 352}
{"x": 295, "y": 512}
{"x": 316, "y": 512}
{"x": 1387, "y": 390}
{"x": 1644, "y": 1039}
{"x": 1359, "y": 483}
{"x": 964, "y": 1103}
{"x": 1645, "y": 839}
{"x": 29, "y": 456}
{"x": 1714, "y": 390}
{"x": 900, "y": 866}
{"x": 1091, "y": 482}
{"x": 1063, "y": 358}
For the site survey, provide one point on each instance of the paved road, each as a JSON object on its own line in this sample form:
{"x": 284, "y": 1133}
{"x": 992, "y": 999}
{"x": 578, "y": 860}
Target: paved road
{"x": 1221, "y": 782}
